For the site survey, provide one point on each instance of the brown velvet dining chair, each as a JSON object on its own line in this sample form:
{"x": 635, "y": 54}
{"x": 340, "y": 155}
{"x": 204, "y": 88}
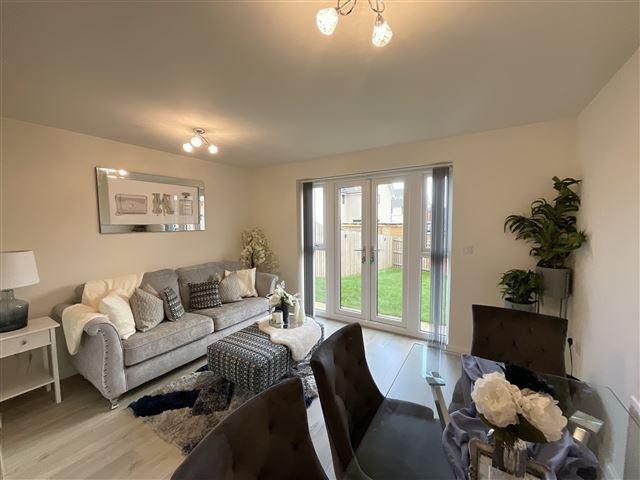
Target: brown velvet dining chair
{"x": 532, "y": 340}
{"x": 406, "y": 433}
{"x": 266, "y": 438}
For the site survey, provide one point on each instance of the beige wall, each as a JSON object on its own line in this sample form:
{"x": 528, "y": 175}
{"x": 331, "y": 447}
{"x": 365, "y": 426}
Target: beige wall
{"x": 49, "y": 205}
{"x": 606, "y": 317}
{"x": 494, "y": 173}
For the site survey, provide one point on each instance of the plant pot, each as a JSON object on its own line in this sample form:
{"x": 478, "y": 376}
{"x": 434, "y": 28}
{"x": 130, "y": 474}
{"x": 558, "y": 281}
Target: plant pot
{"x": 524, "y": 307}
{"x": 556, "y": 282}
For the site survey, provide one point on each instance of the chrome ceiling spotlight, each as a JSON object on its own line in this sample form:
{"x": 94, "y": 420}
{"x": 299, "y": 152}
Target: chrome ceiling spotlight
{"x": 199, "y": 140}
{"x": 327, "y": 20}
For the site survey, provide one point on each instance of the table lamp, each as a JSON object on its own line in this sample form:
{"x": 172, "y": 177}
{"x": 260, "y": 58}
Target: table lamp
{"x": 17, "y": 269}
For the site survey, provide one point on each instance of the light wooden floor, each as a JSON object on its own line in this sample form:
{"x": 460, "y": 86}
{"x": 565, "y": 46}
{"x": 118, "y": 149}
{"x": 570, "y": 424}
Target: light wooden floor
{"x": 82, "y": 438}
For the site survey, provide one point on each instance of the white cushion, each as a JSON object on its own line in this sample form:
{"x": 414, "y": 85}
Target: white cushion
{"x": 247, "y": 280}
{"x": 116, "y": 307}
{"x": 96, "y": 290}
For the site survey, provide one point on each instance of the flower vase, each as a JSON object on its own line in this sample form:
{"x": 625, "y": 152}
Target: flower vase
{"x": 285, "y": 315}
{"x": 510, "y": 458}
{"x": 299, "y": 314}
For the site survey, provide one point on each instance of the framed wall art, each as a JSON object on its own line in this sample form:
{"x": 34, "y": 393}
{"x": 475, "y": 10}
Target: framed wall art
{"x": 140, "y": 202}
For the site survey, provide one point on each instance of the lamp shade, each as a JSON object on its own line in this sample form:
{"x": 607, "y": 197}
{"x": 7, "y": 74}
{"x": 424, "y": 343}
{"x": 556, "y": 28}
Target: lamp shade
{"x": 18, "y": 269}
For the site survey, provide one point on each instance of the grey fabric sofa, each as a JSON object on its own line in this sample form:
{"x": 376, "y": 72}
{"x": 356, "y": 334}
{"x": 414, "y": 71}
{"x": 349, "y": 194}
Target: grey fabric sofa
{"x": 115, "y": 366}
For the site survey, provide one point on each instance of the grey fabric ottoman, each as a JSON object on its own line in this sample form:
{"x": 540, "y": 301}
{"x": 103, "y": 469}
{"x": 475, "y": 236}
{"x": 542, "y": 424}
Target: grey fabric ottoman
{"x": 249, "y": 359}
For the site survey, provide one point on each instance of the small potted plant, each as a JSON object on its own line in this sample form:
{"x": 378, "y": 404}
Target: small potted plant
{"x": 520, "y": 289}
{"x": 553, "y": 234}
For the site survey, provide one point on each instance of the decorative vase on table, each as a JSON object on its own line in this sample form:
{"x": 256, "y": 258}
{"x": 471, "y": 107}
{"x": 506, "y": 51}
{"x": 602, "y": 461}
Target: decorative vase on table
{"x": 518, "y": 406}
{"x": 510, "y": 458}
{"x": 284, "y": 308}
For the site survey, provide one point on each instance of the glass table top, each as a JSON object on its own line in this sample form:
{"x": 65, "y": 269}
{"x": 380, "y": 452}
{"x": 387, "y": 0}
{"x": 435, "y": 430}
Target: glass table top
{"x": 596, "y": 417}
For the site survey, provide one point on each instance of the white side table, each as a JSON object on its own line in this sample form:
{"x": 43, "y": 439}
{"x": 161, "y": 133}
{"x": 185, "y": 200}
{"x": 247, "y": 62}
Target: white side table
{"x": 39, "y": 333}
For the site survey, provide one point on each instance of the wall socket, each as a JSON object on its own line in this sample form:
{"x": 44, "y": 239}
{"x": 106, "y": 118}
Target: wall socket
{"x": 468, "y": 250}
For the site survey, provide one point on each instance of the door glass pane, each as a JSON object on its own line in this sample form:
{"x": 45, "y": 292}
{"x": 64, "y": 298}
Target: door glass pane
{"x": 389, "y": 235}
{"x": 350, "y": 199}
{"x": 319, "y": 250}
{"x": 425, "y": 258}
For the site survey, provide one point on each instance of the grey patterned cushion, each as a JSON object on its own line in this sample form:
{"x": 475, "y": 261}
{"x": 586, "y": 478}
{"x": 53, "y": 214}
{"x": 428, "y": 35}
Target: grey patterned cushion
{"x": 173, "y": 308}
{"x": 204, "y": 295}
{"x": 148, "y": 309}
{"x": 230, "y": 289}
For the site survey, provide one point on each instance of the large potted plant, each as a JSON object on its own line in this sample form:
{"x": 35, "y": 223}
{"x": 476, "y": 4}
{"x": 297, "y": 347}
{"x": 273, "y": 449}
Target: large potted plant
{"x": 552, "y": 232}
{"x": 520, "y": 289}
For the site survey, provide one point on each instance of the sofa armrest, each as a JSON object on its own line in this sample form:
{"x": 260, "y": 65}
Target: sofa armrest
{"x": 56, "y": 313}
{"x": 265, "y": 283}
{"x": 100, "y": 358}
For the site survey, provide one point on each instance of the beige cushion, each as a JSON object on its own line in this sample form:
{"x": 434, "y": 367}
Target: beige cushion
{"x": 117, "y": 309}
{"x": 230, "y": 289}
{"x": 247, "y": 279}
{"x": 147, "y": 308}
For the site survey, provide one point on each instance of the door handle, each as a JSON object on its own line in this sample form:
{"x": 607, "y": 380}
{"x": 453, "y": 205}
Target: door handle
{"x": 372, "y": 257}
{"x": 363, "y": 259}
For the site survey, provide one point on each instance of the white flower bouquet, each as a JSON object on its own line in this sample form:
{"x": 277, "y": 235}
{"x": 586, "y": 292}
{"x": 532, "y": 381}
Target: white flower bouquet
{"x": 518, "y": 405}
{"x": 281, "y": 297}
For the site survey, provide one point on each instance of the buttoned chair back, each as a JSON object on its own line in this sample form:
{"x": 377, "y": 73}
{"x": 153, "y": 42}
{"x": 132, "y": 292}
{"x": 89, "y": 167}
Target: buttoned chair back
{"x": 266, "y": 438}
{"x": 529, "y": 339}
{"x": 348, "y": 394}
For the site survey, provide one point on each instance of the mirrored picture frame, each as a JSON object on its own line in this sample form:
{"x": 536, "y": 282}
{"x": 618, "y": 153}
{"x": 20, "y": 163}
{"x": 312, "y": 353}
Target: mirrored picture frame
{"x": 481, "y": 468}
{"x": 132, "y": 202}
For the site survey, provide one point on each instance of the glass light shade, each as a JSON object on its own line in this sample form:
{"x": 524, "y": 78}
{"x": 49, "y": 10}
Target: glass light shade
{"x": 196, "y": 141}
{"x": 327, "y": 19}
{"x": 381, "y": 32}
{"x": 213, "y": 149}
{"x": 187, "y": 147}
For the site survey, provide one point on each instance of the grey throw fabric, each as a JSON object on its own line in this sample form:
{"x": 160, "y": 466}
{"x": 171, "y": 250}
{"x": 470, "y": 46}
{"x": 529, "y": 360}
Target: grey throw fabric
{"x": 566, "y": 457}
{"x": 147, "y": 309}
{"x": 230, "y": 289}
{"x": 231, "y": 313}
{"x": 165, "y": 337}
{"x": 173, "y": 308}
{"x": 204, "y": 295}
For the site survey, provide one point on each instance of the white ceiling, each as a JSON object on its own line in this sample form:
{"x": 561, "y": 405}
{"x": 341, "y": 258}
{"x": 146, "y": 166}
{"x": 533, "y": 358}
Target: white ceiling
{"x": 270, "y": 88}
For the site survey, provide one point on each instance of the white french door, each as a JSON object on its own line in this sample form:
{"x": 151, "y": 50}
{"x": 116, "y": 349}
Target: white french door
{"x": 352, "y": 272}
{"x": 369, "y": 249}
{"x": 372, "y": 251}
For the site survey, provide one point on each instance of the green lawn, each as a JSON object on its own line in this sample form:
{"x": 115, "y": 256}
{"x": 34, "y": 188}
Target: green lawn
{"x": 390, "y": 297}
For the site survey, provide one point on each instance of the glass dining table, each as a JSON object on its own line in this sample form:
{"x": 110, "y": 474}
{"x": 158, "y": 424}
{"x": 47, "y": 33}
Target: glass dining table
{"x": 599, "y": 424}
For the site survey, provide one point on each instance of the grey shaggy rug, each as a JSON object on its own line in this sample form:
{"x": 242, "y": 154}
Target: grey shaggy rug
{"x": 185, "y": 410}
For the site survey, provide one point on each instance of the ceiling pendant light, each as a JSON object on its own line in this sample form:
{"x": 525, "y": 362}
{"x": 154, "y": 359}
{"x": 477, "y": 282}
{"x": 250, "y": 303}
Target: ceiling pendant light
{"x": 381, "y": 32}
{"x": 327, "y": 20}
{"x": 199, "y": 140}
